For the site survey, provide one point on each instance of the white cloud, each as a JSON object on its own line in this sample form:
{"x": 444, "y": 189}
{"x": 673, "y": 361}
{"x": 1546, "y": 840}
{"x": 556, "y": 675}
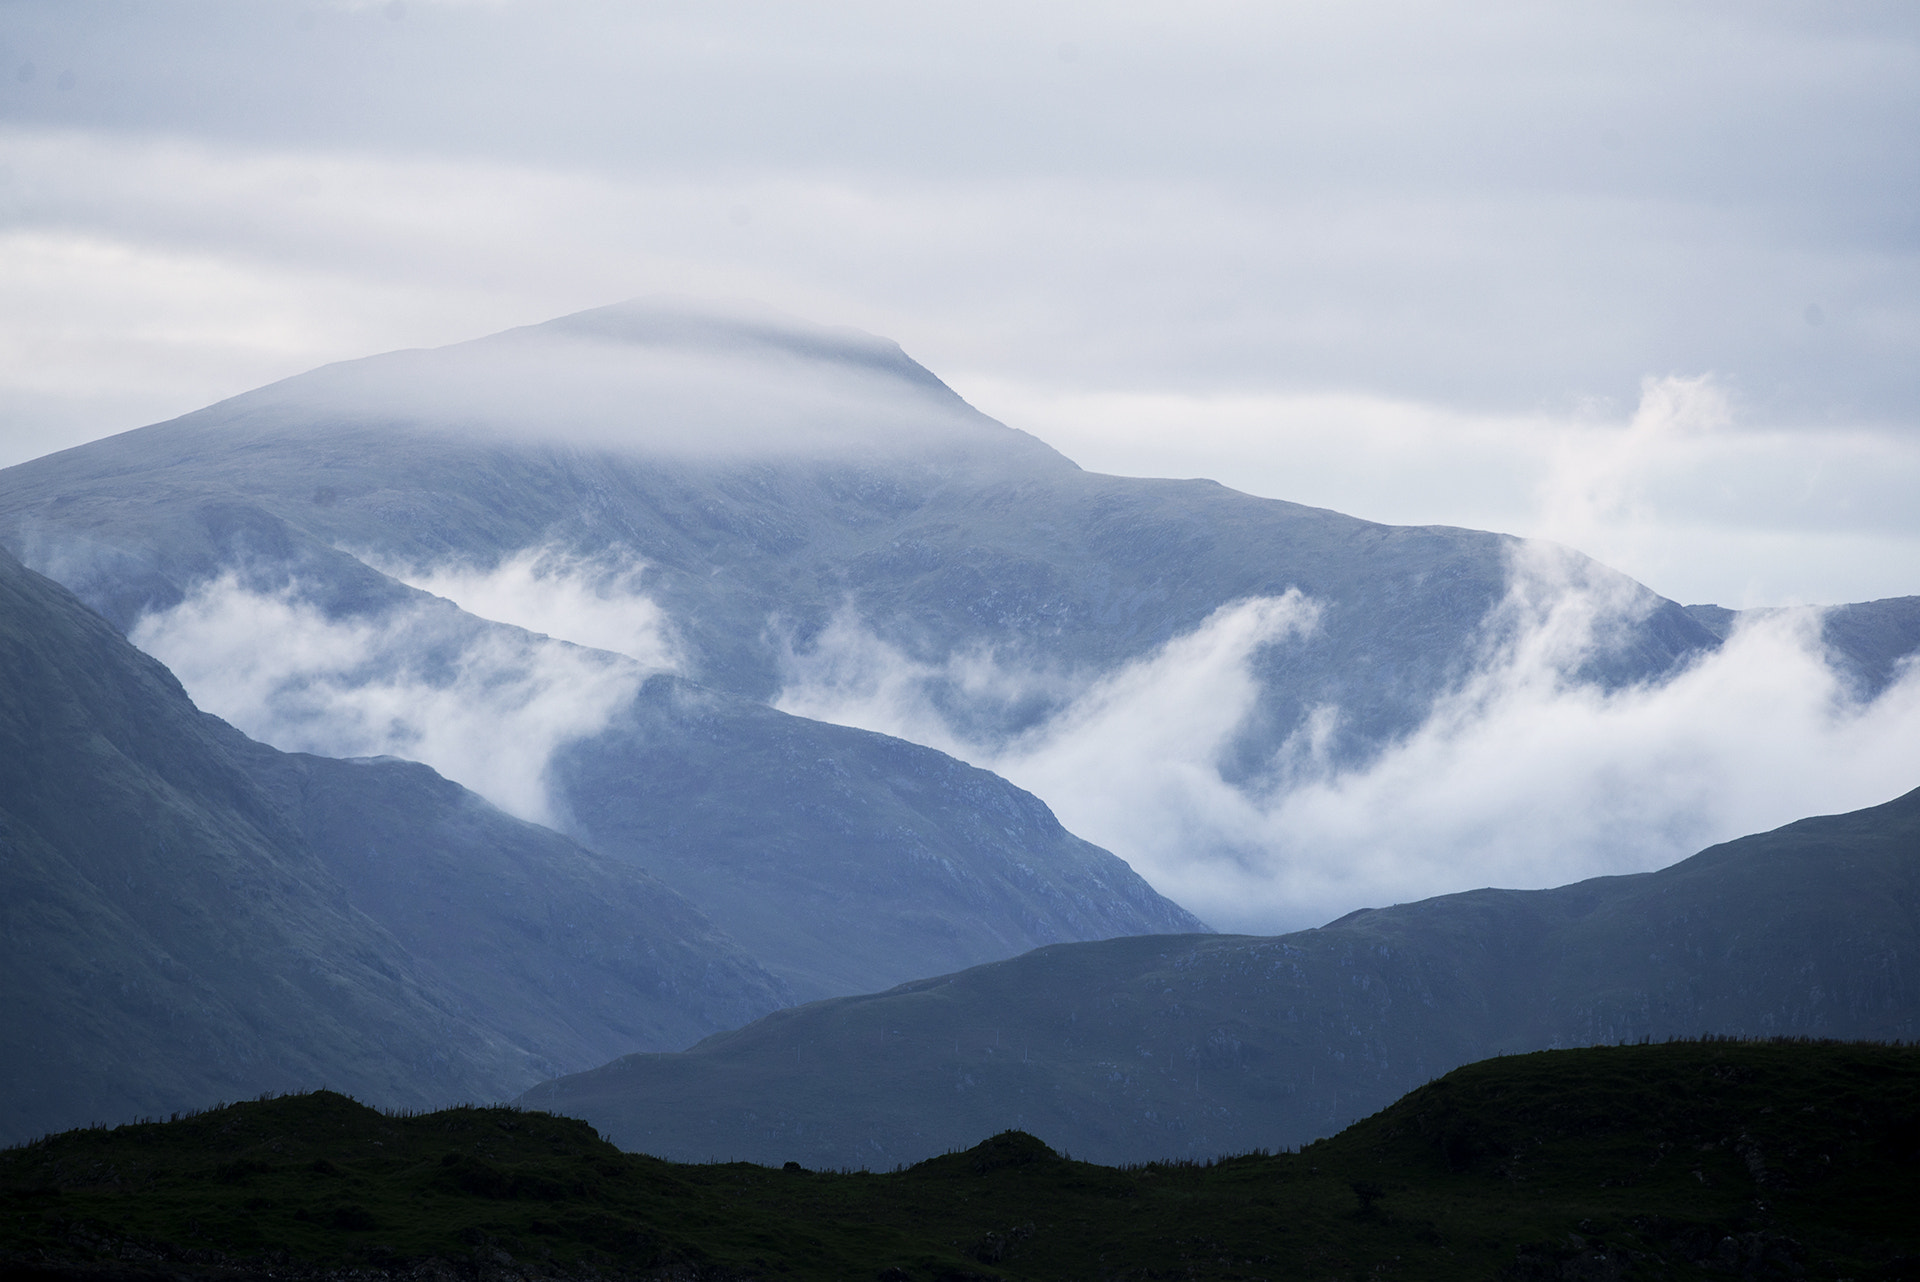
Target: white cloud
{"x": 1520, "y": 777}
{"x": 592, "y": 601}
{"x": 486, "y": 706}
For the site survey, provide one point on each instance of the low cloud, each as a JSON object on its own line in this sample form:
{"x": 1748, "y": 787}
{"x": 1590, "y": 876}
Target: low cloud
{"x": 1522, "y": 776}
{"x": 483, "y": 704}
{"x": 594, "y": 601}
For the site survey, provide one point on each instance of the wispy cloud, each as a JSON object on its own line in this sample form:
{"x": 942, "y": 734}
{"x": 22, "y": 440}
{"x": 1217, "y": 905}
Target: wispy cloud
{"x": 597, "y": 601}
{"x": 1472, "y": 225}
{"x": 485, "y": 705}
{"x": 1522, "y": 776}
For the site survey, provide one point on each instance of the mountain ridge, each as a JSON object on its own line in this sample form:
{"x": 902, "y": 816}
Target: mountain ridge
{"x": 1146, "y": 1048}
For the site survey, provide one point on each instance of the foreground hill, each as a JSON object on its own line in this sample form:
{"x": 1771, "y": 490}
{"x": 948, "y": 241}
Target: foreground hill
{"x": 188, "y": 916}
{"x": 1140, "y": 1048}
{"x": 1707, "y": 1160}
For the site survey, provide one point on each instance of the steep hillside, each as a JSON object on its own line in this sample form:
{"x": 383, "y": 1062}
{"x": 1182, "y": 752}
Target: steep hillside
{"x": 1142, "y": 1048}
{"x": 563, "y": 951}
{"x": 851, "y": 861}
{"x": 189, "y": 916}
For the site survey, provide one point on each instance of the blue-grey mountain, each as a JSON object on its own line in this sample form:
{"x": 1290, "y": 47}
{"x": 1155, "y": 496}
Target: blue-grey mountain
{"x": 190, "y": 916}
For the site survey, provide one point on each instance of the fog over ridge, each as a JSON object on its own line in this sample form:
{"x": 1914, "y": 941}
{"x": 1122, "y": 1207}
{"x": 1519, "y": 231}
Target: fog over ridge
{"x": 486, "y": 705}
{"x": 668, "y": 378}
{"x": 1523, "y": 775}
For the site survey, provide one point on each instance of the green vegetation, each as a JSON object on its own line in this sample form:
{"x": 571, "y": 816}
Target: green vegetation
{"x": 1694, "y": 1159}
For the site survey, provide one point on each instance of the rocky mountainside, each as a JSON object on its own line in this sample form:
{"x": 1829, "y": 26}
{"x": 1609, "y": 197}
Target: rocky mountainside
{"x": 190, "y": 916}
{"x": 1137, "y": 1049}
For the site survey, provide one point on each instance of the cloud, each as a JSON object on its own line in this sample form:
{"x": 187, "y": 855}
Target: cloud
{"x": 593, "y": 601}
{"x": 484, "y": 705}
{"x": 1675, "y": 490}
{"x": 661, "y": 378}
{"x": 1522, "y": 776}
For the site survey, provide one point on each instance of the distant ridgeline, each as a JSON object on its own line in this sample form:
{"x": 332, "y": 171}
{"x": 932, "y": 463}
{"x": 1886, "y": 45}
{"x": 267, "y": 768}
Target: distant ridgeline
{"x": 1135, "y": 1049}
{"x": 1714, "y": 1159}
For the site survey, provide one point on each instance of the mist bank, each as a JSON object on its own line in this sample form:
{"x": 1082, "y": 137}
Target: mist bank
{"x": 1141, "y": 1049}
{"x": 1526, "y": 771}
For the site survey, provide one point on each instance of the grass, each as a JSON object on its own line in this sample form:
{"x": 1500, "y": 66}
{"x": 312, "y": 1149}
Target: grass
{"x": 1694, "y": 1159}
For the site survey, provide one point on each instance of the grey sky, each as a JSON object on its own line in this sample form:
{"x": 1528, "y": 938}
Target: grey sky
{"x": 1410, "y": 260}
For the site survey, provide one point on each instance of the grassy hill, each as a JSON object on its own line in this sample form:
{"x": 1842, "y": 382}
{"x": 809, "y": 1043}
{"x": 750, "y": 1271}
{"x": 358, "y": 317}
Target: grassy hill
{"x": 1705, "y": 1159}
{"x": 1129, "y": 1049}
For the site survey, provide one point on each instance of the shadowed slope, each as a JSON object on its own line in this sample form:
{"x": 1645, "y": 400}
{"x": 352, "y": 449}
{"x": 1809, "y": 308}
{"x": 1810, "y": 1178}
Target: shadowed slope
{"x": 190, "y": 916}
{"x": 1714, "y": 1160}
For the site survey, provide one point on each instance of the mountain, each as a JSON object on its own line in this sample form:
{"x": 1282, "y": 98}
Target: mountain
{"x": 1710, "y": 1159}
{"x": 1135, "y": 1049}
{"x": 905, "y": 863}
{"x": 775, "y": 477}
{"x": 1867, "y": 641}
{"x": 190, "y": 916}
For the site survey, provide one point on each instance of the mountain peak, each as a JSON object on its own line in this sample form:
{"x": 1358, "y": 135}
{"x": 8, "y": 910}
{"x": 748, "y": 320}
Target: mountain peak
{"x": 655, "y": 378}
{"x": 739, "y": 328}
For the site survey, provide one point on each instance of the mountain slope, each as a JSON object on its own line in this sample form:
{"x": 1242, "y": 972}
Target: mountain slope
{"x": 851, "y": 861}
{"x": 189, "y": 916}
{"x": 563, "y": 951}
{"x": 1137, "y": 1048}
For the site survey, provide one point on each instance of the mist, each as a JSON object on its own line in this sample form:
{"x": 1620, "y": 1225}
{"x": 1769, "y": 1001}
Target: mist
{"x": 593, "y": 601}
{"x": 659, "y": 377}
{"x": 485, "y": 704}
{"x": 1522, "y": 776}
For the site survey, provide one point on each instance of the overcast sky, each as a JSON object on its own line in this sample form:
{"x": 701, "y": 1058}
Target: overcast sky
{"x": 1641, "y": 277}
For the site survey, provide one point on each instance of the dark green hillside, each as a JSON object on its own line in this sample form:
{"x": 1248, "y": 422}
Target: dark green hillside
{"x": 1134, "y": 1048}
{"x": 1689, "y": 1160}
{"x": 188, "y": 916}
